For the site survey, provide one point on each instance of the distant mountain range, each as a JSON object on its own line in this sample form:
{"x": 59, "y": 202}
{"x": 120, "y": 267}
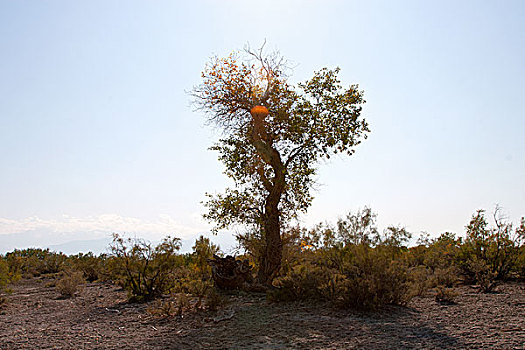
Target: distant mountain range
{"x": 76, "y": 242}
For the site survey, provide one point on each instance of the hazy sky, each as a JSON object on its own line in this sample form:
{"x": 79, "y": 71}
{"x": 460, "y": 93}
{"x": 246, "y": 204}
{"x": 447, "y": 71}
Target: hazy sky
{"x": 97, "y": 133}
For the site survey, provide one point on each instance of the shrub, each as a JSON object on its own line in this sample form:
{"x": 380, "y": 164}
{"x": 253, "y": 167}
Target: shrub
{"x": 359, "y": 277}
{"x": 376, "y": 281}
{"x": 91, "y": 266}
{"x": 143, "y": 270}
{"x": 214, "y": 300}
{"x": 490, "y": 252}
{"x": 484, "y": 276}
{"x": 445, "y": 276}
{"x": 4, "y": 273}
{"x": 163, "y": 308}
{"x": 445, "y": 295}
{"x": 182, "y": 303}
{"x": 520, "y": 242}
{"x": 303, "y": 282}
{"x": 70, "y": 283}
{"x": 419, "y": 280}
{"x": 4, "y": 278}
{"x": 35, "y": 262}
{"x": 202, "y": 251}
{"x": 520, "y": 264}
{"x": 351, "y": 265}
{"x": 198, "y": 288}
{"x": 442, "y": 252}
{"x": 358, "y": 228}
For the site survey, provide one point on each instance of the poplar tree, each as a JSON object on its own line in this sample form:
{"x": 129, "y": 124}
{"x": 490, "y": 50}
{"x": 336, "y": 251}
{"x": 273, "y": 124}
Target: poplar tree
{"x": 274, "y": 136}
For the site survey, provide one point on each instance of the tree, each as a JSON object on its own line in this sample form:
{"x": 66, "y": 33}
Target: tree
{"x": 275, "y": 134}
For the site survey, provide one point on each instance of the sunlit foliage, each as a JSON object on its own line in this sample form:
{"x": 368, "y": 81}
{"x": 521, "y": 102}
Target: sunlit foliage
{"x": 273, "y": 160}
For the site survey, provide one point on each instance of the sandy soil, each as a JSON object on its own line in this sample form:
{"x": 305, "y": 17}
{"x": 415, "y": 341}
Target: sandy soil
{"x": 35, "y": 317}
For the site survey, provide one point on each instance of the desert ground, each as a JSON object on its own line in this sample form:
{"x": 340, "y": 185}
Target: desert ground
{"x": 35, "y": 316}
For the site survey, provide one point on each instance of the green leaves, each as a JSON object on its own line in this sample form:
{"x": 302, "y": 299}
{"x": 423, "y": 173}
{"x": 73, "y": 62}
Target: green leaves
{"x": 306, "y": 124}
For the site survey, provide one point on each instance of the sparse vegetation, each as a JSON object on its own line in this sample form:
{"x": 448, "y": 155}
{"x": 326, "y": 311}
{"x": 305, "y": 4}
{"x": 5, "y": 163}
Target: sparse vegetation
{"x": 4, "y": 278}
{"x": 445, "y": 295}
{"x": 145, "y": 271}
{"x": 70, "y": 283}
{"x": 33, "y": 262}
{"x": 491, "y": 254}
{"x": 352, "y": 265}
{"x": 349, "y": 264}
{"x": 93, "y": 267}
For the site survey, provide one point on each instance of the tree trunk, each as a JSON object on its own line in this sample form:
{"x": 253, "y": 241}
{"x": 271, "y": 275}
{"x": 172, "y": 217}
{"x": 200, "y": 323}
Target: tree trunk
{"x": 270, "y": 262}
{"x": 270, "y": 259}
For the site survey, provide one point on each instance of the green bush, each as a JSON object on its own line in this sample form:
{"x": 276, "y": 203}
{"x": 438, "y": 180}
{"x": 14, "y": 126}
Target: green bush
{"x": 202, "y": 251}
{"x": 35, "y": 262}
{"x": 490, "y": 253}
{"x": 5, "y": 278}
{"x": 92, "y": 267}
{"x": 302, "y": 282}
{"x": 361, "y": 277}
{"x": 350, "y": 265}
{"x": 143, "y": 270}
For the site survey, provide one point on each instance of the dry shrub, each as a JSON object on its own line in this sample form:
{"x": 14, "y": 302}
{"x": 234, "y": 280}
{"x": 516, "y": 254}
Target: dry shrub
{"x": 335, "y": 288}
{"x": 302, "y": 282}
{"x": 445, "y": 276}
{"x": 350, "y": 264}
{"x": 145, "y": 271}
{"x": 358, "y": 277}
{"x": 485, "y": 276}
{"x": 4, "y": 279}
{"x": 70, "y": 283}
{"x": 380, "y": 283}
{"x": 33, "y": 262}
{"x": 173, "y": 306}
{"x": 445, "y": 295}
{"x": 419, "y": 280}
{"x": 198, "y": 288}
{"x": 520, "y": 264}
{"x": 183, "y": 302}
{"x": 93, "y": 267}
{"x": 4, "y": 274}
{"x": 491, "y": 253}
{"x": 163, "y": 308}
{"x": 214, "y": 300}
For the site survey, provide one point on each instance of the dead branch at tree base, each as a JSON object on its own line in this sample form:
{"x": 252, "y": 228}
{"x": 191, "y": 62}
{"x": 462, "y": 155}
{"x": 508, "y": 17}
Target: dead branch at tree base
{"x": 229, "y": 273}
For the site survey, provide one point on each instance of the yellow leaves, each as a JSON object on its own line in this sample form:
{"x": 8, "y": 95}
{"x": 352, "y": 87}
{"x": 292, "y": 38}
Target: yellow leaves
{"x": 305, "y": 246}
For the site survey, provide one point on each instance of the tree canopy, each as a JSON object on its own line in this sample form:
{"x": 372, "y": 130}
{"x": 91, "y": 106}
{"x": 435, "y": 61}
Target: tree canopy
{"x": 274, "y": 135}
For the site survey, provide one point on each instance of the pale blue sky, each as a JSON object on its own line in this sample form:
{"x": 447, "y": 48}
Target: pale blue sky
{"x": 97, "y": 133}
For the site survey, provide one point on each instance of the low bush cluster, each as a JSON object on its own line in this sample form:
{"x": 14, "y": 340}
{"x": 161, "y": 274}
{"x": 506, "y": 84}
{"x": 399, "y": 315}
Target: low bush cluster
{"x": 145, "y": 271}
{"x": 349, "y": 264}
{"x": 352, "y": 265}
{"x": 33, "y": 262}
